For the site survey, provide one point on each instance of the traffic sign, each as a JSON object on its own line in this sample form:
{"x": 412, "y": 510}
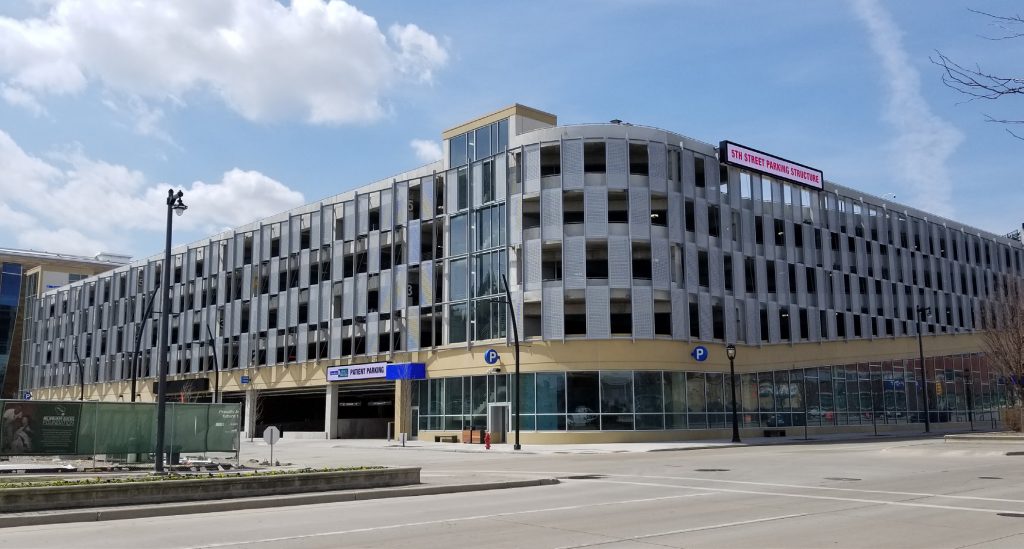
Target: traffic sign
{"x": 271, "y": 435}
{"x": 245, "y": 380}
{"x": 700, "y": 353}
{"x": 491, "y": 356}
{"x": 27, "y": 395}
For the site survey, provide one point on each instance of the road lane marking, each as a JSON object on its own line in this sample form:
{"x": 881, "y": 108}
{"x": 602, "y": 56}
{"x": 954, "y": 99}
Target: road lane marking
{"x": 441, "y": 521}
{"x": 768, "y": 484}
{"x": 687, "y": 530}
{"x": 809, "y": 496}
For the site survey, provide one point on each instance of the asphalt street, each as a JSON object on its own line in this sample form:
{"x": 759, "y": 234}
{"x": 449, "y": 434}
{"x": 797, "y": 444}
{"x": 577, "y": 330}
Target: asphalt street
{"x": 878, "y": 493}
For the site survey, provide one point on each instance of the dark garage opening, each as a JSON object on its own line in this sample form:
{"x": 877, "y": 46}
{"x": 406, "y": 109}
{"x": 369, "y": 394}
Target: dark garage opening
{"x": 364, "y": 410}
{"x": 286, "y": 410}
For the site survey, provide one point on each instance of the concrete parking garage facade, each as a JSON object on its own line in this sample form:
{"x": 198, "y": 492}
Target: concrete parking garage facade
{"x": 633, "y": 255}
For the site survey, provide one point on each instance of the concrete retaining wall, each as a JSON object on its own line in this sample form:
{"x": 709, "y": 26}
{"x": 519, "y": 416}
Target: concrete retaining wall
{"x": 45, "y": 498}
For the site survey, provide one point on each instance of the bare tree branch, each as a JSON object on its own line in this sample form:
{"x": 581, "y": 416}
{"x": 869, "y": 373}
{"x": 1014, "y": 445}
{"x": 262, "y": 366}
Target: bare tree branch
{"x": 975, "y": 82}
{"x": 989, "y": 118}
{"x": 1004, "y": 22}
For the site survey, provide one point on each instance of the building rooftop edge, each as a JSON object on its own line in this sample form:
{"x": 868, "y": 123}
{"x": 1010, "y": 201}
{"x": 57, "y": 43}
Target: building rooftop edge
{"x": 37, "y": 254}
{"x": 513, "y": 109}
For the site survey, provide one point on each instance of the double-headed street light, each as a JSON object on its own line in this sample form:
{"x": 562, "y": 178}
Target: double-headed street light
{"x": 174, "y": 204}
{"x": 730, "y": 351}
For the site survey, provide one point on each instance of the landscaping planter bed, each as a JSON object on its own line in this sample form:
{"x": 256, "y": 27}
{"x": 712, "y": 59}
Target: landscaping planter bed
{"x": 135, "y": 492}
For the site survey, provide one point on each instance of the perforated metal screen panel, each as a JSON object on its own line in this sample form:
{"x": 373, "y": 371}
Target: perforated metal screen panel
{"x": 348, "y": 301}
{"x": 373, "y": 253}
{"x": 572, "y": 164}
{"x": 401, "y": 287}
{"x": 574, "y": 257}
{"x": 640, "y": 213}
{"x": 619, "y": 262}
{"x": 643, "y": 312}
{"x": 387, "y": 210}
{"x": 661, "y": 265}
{"x": 426, "y": 283}
{"x": 372, "y": 334}
{"x": 552, "y": 315}
{"x": 385, "y": 291}
{"x": 617, "y": 163}
{"x": 595, "y": 204}
{"x": 500, "y": 176}
{"x": 533, "y": 264}
{"x": 363, "y": 213}
{"x": 551, "y": 213}
{"x": 598, "y": 314}
{"x": 531, "y": 159}
{"x": 680, "y": 315}
{"x": 348, "y": 221}
{"x": 675, "y": 217}
{"x": 515, "y": 220}
{"x": 413, "y": 251}
{"x": 656, "y": 167}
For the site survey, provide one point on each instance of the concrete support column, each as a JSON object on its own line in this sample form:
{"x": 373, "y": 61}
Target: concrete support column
{"x": 250, "y": 414}
{"x": 403, "y": 402}
{"x": 331, "y": 412}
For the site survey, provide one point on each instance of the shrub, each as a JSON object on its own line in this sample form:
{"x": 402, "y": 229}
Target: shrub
{"x": 1012, "y": 418}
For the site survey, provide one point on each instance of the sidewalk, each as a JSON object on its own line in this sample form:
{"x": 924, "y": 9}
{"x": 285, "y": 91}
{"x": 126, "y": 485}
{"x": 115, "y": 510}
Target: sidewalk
{"x": 305, "y": 452}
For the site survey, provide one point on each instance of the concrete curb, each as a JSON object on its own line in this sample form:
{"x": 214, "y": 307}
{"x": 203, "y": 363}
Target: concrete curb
{"x": 1012, "y": 439}
{"x": 13, "y": 520}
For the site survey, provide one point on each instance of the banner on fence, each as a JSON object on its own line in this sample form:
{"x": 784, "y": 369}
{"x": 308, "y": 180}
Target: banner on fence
{"x": 84, "y": 428}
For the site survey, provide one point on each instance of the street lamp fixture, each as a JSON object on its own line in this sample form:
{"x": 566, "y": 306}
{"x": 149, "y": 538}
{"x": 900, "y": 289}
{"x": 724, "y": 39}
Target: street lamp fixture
{"x": 730, "y": 351}
{"x": 923, "y": 312}
{"x": 174, "y": 204}
{"x": 179, "y": 207}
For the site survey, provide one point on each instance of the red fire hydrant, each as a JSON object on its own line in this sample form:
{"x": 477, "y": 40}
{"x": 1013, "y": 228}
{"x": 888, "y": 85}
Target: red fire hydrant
{"x": 487, "y": 441}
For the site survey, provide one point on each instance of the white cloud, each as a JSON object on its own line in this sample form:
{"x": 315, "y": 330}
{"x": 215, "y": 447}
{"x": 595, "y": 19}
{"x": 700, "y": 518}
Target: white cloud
{"x": 73, "y": 203}
{"x": 240, "y": 197}
{"x": 324, "y": 62}
{"x": 426, "y": 150}
{"x": 144, "y": 118}
{"x": 924, "y": 142}
{"x": 18, "y": 97}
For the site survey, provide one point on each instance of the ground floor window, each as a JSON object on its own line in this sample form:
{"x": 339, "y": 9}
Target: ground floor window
{"x": 885, "y": 392}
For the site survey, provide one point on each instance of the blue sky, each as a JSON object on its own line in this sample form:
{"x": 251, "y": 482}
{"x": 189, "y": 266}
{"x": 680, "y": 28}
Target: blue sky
{"x": 253, "y": 106}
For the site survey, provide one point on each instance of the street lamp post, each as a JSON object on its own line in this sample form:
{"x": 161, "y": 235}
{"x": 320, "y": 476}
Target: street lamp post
{"x": 138, "y": 343}
{"x": 730, "y": 351}
{"x": 81, "y": 375}
{"x": 216, "y": 367}
{"x": 921, "y": 311}
{"x": 515, "y": 336}
{"x": 174, "y": 205}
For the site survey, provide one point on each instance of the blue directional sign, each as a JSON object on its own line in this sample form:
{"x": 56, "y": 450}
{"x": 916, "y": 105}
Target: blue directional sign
{"x": 491, "y": 356}
{"x": 700, "y": 353}
{"x": 245, "y": 380}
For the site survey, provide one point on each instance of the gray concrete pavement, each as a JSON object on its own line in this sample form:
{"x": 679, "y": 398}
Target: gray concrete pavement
{"x": 888, "y": 493}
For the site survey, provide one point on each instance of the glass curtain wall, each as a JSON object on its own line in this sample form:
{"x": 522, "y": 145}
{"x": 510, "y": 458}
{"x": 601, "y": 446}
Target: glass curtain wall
{"x": 642, "y": 400}
{"x": 10, "y": 289}
{"x": 477, "y": 240}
